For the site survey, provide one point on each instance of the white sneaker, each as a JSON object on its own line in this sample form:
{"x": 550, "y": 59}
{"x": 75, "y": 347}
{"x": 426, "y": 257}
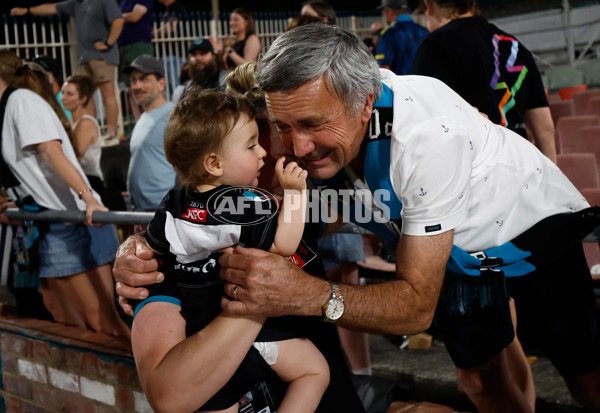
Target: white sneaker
{"x": 109, "y": 141}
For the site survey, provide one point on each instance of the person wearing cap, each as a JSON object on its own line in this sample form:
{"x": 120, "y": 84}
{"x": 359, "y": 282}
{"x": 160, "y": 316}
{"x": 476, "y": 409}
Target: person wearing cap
{"x": 204, "y": 68}
{"x": 205, "y": 65}
{"x": 399, "y": 41}
{"x": 150, "y": 175}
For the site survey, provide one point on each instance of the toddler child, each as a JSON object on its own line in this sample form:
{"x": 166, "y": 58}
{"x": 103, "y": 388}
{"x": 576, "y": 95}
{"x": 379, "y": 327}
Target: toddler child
{"x": 212, "y": 142}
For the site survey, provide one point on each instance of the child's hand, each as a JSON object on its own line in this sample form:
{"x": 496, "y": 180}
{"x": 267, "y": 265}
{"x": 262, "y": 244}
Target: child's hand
{"x": 292, "y": 177}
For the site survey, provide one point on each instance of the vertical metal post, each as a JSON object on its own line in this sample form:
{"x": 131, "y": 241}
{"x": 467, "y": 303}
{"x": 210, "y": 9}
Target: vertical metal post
{"x": 44, "y": 27}
{"x": 35, "y": 37}
{"x": 120, "y": 118}
{"x": 214, "y": 27}
{"x": 570, "y": 36}
{"x": 72, "y": 41}
{"x": 156, "y": 25}
{"x": 170, "y": 56}
{"x": 63, "y": 46}
{"x": 5, "y": 20}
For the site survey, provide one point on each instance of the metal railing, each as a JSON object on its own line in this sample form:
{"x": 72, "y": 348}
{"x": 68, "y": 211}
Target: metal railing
{"x": 113, "y": 217}
{"x": 143, "y": 218}
{"x": 78, "y": 217}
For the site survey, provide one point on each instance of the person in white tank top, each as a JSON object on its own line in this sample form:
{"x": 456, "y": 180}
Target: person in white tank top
{"x": 77, "y": 92}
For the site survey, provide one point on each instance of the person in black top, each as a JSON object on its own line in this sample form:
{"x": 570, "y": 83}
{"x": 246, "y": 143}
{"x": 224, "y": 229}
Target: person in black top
{"x": 494, "y": 72}
{"x": 244, "y": 45}
{"x": 489, "y": 68}
{"x": 170, "y": 18}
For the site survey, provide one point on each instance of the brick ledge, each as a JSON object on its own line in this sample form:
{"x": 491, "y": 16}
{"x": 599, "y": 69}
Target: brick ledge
{"x": 68, "y": 336}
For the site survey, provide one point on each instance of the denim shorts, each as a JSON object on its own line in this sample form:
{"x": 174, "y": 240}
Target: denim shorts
{"x": 67, "y": 249}
{"x": 337, "y": 249}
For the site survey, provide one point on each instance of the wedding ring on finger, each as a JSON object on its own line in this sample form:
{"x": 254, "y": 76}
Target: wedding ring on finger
{"x": 234, "y": 293}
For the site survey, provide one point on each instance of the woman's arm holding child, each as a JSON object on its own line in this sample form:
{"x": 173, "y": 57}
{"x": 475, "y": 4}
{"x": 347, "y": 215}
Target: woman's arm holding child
{"x": 181, "y": 374}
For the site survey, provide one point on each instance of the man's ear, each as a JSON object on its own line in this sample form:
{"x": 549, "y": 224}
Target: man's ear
{"x": 367, "y": 110}
{"x": 162, "y": 84}
{"x": 212, "y": 165}
{"x": 429, "y": 8}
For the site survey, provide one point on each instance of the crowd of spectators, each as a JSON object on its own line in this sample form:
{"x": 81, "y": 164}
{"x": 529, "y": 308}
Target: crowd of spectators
{"x": 114, "y": 44}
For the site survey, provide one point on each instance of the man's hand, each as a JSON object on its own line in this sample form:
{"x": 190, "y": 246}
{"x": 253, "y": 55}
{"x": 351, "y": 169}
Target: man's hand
{"x": 134, "y": 266}
{"x": 3, "y": 218}
{"x": 101, "y": 46}
{"x": 18, "y": 11}
{"x": 216, "y": 44}
{"x": 270, "y": 285}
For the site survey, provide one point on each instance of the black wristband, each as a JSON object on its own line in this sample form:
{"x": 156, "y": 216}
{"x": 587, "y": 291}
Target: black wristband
{"x": 28, "y": 10}
{"x": 108, "y": 45}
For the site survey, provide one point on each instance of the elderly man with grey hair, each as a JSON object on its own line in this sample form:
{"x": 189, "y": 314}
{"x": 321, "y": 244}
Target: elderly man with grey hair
{"x": 473, "y": 207}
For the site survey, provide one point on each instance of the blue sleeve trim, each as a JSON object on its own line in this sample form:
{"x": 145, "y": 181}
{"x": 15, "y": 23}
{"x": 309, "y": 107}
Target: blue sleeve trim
{"x": 157, "y": 298}
{"x": 386, "y": 100}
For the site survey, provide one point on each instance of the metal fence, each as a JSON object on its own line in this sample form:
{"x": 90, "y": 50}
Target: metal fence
{"x": 143, "y": 218}
{"x": 55, "y": 36}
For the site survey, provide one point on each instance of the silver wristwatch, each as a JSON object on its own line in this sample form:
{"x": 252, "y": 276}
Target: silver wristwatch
{"x": 334, "y": 308}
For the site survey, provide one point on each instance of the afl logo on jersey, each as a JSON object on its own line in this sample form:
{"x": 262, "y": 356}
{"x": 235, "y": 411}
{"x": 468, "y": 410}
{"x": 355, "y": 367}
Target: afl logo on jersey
{"x": 242, "y": 205}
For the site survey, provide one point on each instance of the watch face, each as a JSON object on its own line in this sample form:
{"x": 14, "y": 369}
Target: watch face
{"x": 335, "y": 309}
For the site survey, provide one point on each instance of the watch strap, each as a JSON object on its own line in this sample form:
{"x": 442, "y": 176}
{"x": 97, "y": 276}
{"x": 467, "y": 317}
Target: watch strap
{"x": 336, "y": 290}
